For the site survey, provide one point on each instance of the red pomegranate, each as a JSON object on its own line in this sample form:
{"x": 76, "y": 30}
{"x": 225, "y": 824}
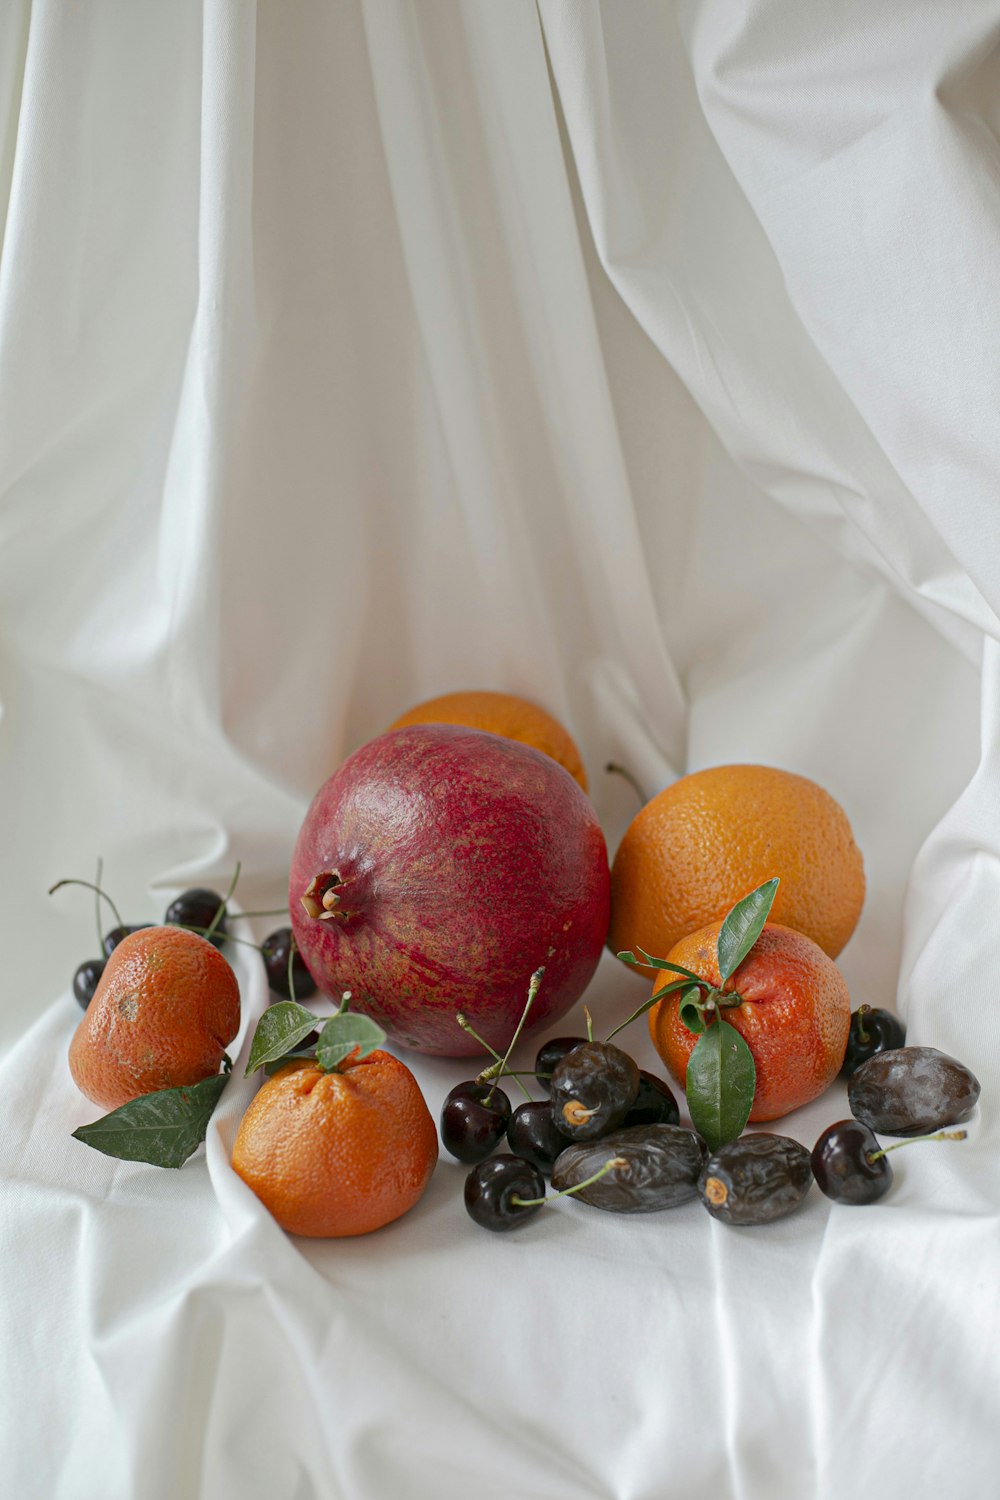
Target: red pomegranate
{"x": 435, "y": 871}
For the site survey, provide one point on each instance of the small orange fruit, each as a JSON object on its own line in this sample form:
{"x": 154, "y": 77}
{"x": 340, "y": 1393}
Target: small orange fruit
{"x": 338, "y": 1153}
{"x": 704, "y": 842}
{"x": 502, "y": 713}
{"x": 166, "y": 1008}
{"x": 794, "y": 1016}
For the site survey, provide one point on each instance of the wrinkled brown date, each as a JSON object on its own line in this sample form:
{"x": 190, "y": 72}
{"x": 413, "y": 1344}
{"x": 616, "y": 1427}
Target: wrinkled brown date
{"x": 661, "y": 1168}
{"x": 592, "y": 1090}
{"x": 755, "y": 1179}
{"x": 912, "y": 1091}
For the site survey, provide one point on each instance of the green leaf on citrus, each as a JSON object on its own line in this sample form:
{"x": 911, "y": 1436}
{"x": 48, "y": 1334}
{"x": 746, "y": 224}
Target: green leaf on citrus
{"x": 344, "y": 1034}
{"x": 279, "y": 1030}
{"x": 689, "y": 1010}
{"x": 743, "y": 926}
{"x": 648, "y": 962}
{"x": 721, "y": 1078}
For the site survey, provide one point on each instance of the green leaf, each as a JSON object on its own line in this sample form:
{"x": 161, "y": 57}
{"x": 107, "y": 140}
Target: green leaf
{"x": 163, "y": 1128}
{"x": 690, "y": 1010}
{"x": 648, "y": 962}
{"x": 721, "y": 1079}
{"x": 346, "y": 1033}
{"x": 279, "y": 1030}
{"x": 668, "y": 989}
{"x": 743, "y": 927}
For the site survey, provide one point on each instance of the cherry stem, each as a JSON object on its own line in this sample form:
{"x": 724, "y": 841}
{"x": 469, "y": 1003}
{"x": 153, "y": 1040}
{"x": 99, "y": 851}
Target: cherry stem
{"x": 862, "y": 1033}
{"x": 616, "y": 1161}
{"x": 220, "y": 910}
{"x": 90, "y": 887}
{"x": 590, "y": 1024}
{"x": 291, "y": 968}
{"x": 228, "y": 937}
{"x": 97, "y": 903}
{"x": 491, "y": 1073}
{"x": 501, "y": 1067}
{"x": 278, "y": 911}
{"x": 942, "y": 1135}
{"x": 616, "y": 770}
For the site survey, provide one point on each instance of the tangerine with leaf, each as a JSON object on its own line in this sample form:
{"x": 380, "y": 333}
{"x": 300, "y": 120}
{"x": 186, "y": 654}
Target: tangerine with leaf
{"x": 776, "y": 989}
{"x": 336, "y": 1144}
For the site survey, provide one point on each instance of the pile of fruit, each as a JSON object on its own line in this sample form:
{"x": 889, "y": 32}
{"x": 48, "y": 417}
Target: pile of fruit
{"x": 439, "y": 867}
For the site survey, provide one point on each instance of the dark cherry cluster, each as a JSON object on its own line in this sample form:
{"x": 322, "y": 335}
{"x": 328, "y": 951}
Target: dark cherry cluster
{"x": 609, "y": 1133}
{"x": 205, "y": 912}
{"x": 196, "y": 909}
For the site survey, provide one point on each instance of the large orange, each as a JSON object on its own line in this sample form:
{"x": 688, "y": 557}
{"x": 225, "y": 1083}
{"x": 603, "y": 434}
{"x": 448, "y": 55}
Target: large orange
{"x": 794, "y": 1016}
{"x": 166, "y": 1008}
{"x": 714, "y": 836}
{"x": 502, "y": 713}
{"x": 340, "y": 1153}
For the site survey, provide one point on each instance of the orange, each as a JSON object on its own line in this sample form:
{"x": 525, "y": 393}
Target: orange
{"x": 166, "y": 1008}
{"x": 714, "y": 836}
{"x": 794, "y": 1016}
{"x": 504, "y": 714}
{"x": 340, "y": 1153}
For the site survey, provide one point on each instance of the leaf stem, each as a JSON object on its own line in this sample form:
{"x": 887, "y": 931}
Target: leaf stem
{"x": 668, "y": 989}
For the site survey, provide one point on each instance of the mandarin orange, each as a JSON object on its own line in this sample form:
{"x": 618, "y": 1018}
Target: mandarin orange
{"x": 166, "y": 1008}
{"x": 706, "y": 841}
{"x": 506, "y": 714}
{"x": 331, "y": 1154}
{"x": 794, "y": 1015}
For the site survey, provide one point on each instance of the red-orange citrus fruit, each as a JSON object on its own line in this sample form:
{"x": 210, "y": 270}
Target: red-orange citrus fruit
{"x": 794, "y": 1015}
{"x": 166, "y": 1008}
{"x": 502, "y": 713}
{"x": 339, "y": 1153}
{"x": 714, "y": 836}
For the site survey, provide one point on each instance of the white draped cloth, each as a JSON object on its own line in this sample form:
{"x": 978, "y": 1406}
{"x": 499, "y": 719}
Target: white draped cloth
{"x": 640, "y": 359}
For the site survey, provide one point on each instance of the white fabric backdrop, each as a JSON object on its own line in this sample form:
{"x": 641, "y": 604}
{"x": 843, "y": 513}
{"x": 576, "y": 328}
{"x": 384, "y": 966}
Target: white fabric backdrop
{"x": 640, "y": 360}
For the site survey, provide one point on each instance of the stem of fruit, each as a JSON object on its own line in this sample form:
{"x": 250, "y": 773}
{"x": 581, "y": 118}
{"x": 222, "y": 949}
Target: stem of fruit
{"x": 206, "y": 932}
{"x": 616, "y": 1161}
{"x": 279, "y": 911}
{"x": 291, "y": 968}
{"x": 590, "y": 1024}
{"x": 533, "y": 985}
{"x": 491, "y": 1072}
{"x": 668, "y": 989}
{"x": 91, "y": 887}
{"x": 942, "y": 1135}
{"x": 221, "y": 908}
{"x": 862, "y": 1033}
{"x": 616, "y": 770}
{"x": 97, "y": 903}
